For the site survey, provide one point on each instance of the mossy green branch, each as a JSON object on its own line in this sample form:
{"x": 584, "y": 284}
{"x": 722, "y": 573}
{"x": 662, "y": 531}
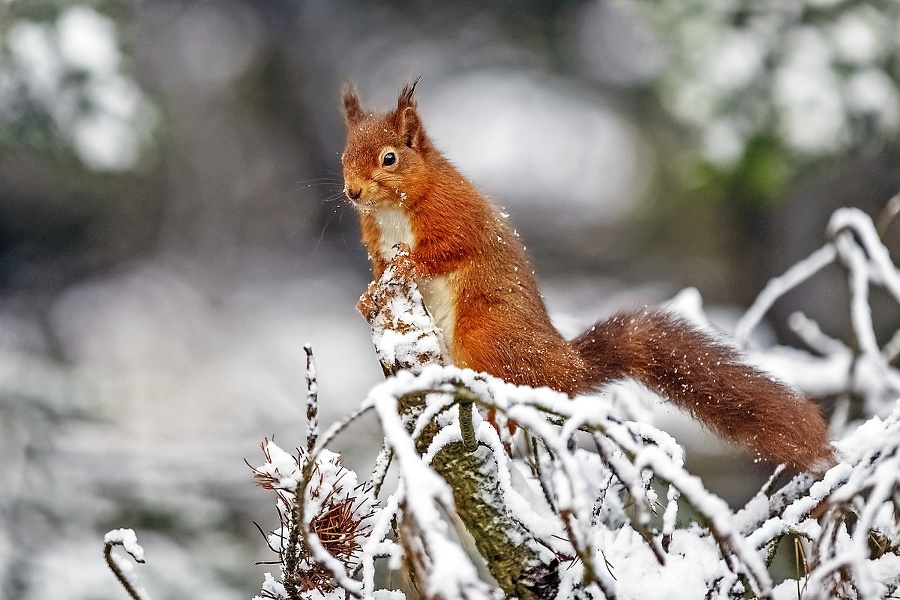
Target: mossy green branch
{"x": 522, "y": 567}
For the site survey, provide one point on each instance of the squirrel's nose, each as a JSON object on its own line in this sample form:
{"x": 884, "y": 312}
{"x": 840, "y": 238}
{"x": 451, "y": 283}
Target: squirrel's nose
{"x": 353, "y": 193}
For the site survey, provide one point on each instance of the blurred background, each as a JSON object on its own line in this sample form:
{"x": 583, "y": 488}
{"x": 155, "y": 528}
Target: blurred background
{"x": 172, "y": 230}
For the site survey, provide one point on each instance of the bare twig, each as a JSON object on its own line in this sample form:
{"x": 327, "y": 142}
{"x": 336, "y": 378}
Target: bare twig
{"x": 312, "y": 402}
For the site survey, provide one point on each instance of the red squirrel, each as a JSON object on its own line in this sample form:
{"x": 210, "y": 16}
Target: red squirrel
{"x": 478, "y": 285}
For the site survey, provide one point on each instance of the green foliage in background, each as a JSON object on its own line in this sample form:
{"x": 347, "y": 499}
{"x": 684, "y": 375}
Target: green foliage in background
{"x": 768, "y": 88}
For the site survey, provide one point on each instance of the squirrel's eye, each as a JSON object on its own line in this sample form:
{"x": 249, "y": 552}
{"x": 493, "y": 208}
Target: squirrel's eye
{"x": 388, "y": 159}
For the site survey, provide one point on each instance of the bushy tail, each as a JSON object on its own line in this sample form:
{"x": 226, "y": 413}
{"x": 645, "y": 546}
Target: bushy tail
{"x": 709, "y": 380}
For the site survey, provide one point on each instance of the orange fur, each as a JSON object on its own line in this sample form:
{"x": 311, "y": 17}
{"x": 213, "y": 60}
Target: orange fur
{"x": 485, "y": 297}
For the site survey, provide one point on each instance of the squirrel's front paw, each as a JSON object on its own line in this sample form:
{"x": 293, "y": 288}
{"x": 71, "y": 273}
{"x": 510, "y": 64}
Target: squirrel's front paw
{"x": 402, "y": 265}
{"x": 368, "y": 303}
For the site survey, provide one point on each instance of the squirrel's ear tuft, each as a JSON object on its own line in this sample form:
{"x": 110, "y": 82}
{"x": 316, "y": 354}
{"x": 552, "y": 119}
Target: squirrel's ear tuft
{"x": 406, "y": 96}
{"x": 353, "y": 111}
{"x": 407, "y": 117}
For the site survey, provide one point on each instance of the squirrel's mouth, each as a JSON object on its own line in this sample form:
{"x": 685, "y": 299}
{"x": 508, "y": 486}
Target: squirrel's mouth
{"x": 356, "y": 199}
{"x": 353, "y": 193}
{"x": 368, "y": 198}
{"x": 362, "y": 204}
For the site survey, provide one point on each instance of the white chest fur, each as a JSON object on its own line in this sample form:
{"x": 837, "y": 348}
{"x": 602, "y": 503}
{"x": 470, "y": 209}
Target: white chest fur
{"x": 439, "y": 301}
{"x": 395, "y": 228}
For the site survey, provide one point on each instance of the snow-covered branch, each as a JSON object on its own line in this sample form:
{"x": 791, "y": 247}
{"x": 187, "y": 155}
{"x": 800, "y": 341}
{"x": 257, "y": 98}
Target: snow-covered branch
{"x": 123, "y": 569}
{"x": 583, "y": 501}
{"x": 862, "y": 367}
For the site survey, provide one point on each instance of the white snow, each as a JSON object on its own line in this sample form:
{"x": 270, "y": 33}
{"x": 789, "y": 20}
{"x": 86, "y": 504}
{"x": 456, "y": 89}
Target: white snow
{"x": 128, "y": 540}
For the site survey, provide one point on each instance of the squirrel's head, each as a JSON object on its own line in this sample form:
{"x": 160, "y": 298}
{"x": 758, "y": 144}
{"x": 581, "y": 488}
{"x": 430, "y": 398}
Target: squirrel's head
{"x": 384, "y": 158}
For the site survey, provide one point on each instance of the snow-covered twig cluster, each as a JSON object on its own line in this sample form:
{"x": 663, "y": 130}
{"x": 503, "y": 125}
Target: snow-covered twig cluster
{"x": 318, "y": 543}
{"x": 849, "y": 522}
{"x": 862, "y": 368}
